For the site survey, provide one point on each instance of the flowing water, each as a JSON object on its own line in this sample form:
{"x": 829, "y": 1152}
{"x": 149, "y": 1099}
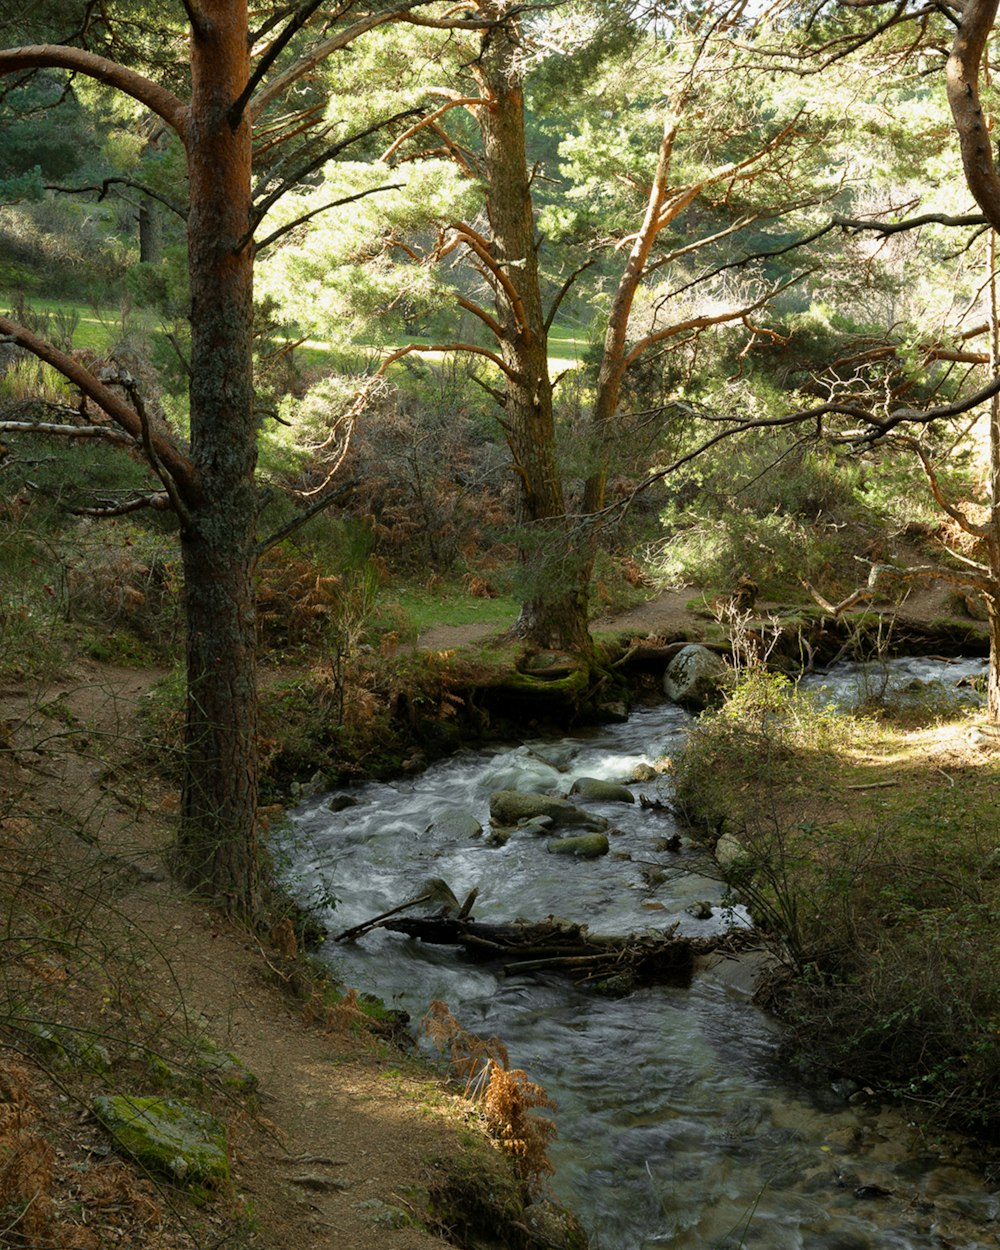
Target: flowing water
{"x": 676, "y": 1127}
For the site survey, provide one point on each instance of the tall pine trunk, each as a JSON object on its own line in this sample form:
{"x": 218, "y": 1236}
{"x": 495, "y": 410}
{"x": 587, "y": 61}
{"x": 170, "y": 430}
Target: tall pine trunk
{"x": 217, "y": 835}
{"x": 554, "y": 599}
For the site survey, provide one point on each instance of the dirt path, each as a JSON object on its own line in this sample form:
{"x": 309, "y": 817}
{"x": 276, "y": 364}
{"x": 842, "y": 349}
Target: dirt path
{"x": 346, "y": 1130}
{"x": 347, "y": 1133}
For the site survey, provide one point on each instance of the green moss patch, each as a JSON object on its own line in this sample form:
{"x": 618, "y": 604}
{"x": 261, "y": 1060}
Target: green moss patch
{"x": 224, "y": 1066}
{"x": 168, "y": 1137}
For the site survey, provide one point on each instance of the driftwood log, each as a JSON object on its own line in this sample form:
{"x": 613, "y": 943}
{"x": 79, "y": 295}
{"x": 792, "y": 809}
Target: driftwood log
{"x": 555, "y": 946}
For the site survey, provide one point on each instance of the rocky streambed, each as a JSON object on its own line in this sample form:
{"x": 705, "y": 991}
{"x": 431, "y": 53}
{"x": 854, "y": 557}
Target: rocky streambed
{"x": 676, "y": 1124}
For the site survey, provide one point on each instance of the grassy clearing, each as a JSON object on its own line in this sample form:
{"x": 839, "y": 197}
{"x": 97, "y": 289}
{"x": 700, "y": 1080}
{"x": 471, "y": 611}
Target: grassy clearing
{"x": 869, "y": 845}
{"x": 453, "y": 605}
{"x": 94, "y": 328}
{"x": 567, "y": 350}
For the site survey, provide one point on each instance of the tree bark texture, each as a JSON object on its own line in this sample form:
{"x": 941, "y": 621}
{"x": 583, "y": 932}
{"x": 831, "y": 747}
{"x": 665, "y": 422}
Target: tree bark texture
{"x": 150, "y": 233}
{"x": 554, "y": 605}
{"x": 963, "y": 96}
{"x": 217, "y": 835}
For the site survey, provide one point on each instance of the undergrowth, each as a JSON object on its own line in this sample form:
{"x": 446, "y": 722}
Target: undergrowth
{"x": 505, "y": 1096}
{"x": 868, "y": 848}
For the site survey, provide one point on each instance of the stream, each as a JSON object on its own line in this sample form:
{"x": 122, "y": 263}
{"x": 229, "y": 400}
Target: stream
{"x": 676, "y": 1125}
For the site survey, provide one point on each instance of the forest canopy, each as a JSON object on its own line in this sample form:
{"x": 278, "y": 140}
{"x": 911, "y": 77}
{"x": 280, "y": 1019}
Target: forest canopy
{"x": 559, "y": 300}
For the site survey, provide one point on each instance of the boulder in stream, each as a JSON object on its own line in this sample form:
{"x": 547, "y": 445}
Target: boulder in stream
{"x": 730, "y": 852}
{"x": 510, "y": 807}
{"x": 695, "y": 677}
{"x": 456, "y": 822}
{"x": 602, "y": 791}
{"x": 583, "y": 846}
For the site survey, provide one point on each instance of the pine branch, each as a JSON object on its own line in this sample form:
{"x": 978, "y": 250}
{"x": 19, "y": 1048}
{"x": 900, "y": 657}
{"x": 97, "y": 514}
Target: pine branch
{"x": 268, "y": 59}
{"x": 56, "y": 56}
{"x": 106, "y": 432}
{"x": 296, "y": 523}
{"x": 885, "y": 228}
{"x": 262, "y": 208}
{"x": 127, "y": 182}
{"x": 175, "y": 461}
{"x": 348, "y": 199}
{"x": 430, "y": 120}
{"x": 563, "y": 291}
{"x": 159, "y": 501}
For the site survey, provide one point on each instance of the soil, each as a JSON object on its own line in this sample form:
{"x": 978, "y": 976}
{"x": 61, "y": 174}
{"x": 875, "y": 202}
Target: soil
{"x": 345, "y": 1135}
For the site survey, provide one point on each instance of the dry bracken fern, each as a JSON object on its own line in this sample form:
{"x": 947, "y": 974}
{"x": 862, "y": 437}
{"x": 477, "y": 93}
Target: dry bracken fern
{"x": 505, "y": 1096}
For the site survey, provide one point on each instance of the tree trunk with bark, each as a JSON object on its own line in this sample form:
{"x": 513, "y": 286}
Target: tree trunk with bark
{"x": 554, "y": 602}
{"x": 150, "y": 233}
{"x": 217, "y": 835}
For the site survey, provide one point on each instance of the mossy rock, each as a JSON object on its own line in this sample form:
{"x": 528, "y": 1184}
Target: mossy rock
{"x": 598, "y": 789}
{"x": 586, "y": 846}
{"x": 224, "y": 1066}
{"x": 168, "y": 1137}
{"x": 510, "y": 807}
{"x": 68, "y": 1048}
{"x": 477, "y": 1199}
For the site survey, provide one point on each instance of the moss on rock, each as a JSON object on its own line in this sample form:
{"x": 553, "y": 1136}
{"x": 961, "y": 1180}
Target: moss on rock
{"x": 586, "y": 846}
{"x": 224, "y": 1066}
{"x": 168, "y": 1137}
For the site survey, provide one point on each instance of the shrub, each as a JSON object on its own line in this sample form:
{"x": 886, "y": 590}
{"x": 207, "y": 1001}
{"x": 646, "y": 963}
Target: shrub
{"x": 124, "y": 578}
{"x": 883, "y": 894}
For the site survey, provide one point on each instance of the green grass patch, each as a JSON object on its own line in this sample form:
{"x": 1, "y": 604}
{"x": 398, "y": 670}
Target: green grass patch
{"x": 452, "y": 604}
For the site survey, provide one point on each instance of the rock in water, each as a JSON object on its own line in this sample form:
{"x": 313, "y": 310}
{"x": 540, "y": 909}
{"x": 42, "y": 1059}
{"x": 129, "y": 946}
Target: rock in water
{"x": 602, "y": 791}
{"x": 585, "y": 846}
{"x": 509, "y": 807}
{"x": 455, "y": 822}
{"x": 695, "y": 677}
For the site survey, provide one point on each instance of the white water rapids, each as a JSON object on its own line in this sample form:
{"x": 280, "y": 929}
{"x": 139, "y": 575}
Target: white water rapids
{"x": 676, "y": 1127}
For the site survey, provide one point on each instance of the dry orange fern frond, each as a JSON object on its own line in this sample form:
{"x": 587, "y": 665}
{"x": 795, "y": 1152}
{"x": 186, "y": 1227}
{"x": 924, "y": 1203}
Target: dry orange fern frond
{"x": 505, "y": 1095}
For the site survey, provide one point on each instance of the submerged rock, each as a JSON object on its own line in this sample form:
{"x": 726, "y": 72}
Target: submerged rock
{"x": 536, "y": 824}
{"x": 602, "y": 791}
{"x": 615, "y": 713}
{"x": 584, "y": 846}
{"x": 341, "y": 802}
{"x": 455, "y": 822}
{"x": 509, "y": 807}
{"x": 168, "y": 1137}
{"x": 695, "y": 677}
{"x": 530, "y": 775}
{"x": 557, "y": 755}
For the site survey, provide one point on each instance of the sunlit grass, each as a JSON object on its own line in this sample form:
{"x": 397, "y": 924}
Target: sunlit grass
{"x": 98, "y": 327}
{"x": 452, "y": 604}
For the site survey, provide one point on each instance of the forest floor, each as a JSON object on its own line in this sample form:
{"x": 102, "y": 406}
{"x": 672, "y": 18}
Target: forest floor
{"x": 345, "y": 1136}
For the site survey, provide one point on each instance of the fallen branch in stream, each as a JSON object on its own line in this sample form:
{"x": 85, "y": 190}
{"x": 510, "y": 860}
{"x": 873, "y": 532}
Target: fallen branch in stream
{"x": 435, "y": 892}
{"x": 557, "y": 946}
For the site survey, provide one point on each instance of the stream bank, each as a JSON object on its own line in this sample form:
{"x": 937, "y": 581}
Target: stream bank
{"x": 677, "y": 1123}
